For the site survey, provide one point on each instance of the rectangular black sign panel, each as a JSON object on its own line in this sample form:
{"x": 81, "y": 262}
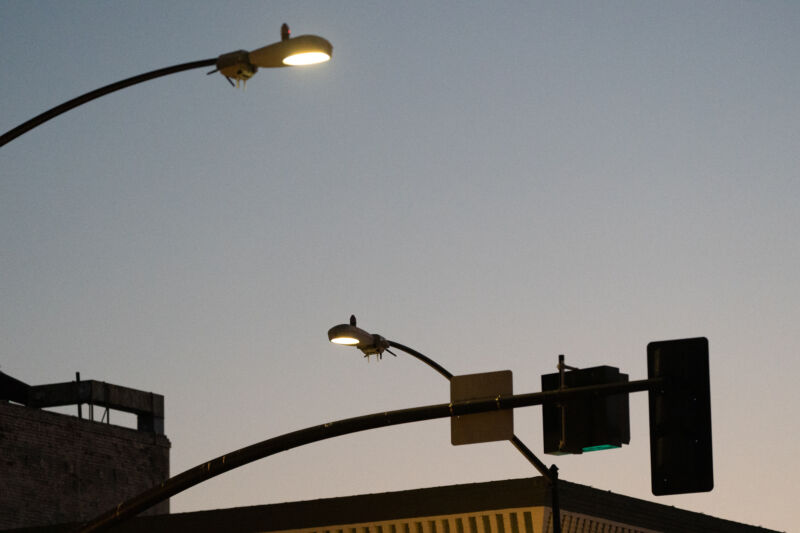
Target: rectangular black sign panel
{"x": 680, "y": 417}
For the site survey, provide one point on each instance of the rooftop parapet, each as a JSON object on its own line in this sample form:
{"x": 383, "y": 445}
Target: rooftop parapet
{"x": 147, "y": 406}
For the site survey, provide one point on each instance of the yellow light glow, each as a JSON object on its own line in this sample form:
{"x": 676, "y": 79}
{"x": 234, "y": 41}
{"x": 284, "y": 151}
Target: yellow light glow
{"x": 350, "y": 341}
{"x": 306, "y": 58}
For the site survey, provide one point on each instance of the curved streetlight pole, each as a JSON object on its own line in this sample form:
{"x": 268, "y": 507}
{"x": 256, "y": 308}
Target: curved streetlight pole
{"x": 97, "y": 93}
{"x": 373, "y": 344}
{"x": 248, "y": 454}
{"x": 240, "y": 66}
{"x": 288, "y": 441}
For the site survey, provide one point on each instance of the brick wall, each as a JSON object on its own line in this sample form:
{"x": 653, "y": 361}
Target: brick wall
{"x": 58, "y": 468}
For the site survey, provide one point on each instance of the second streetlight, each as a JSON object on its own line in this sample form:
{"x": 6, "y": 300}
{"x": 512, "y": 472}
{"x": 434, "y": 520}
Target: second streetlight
{"x": 374, "y": 344}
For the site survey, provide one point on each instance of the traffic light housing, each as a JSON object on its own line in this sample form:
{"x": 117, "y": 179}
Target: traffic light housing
{"x": 680, "y": 417}
{"x": 590, "y": 422}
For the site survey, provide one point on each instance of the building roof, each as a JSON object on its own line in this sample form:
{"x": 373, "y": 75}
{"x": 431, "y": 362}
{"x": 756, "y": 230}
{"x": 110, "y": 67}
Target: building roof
{"x": 147, "y": 406}
{"x": 521, "y": 504}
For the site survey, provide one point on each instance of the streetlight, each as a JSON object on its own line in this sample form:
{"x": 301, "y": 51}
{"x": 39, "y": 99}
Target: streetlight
{"x": 374, "y": 344}
{"x": 349, "y": 334}
{"x": 239, "y": 65}
{"x": 288, "y": 52}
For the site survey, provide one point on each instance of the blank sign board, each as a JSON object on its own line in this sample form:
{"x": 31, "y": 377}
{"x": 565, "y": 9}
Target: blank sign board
{"x": 481, "y": 427}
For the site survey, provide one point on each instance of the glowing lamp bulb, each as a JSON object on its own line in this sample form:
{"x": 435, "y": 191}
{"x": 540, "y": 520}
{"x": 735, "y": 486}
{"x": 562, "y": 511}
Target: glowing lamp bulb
{"x": 306, "y": 58}
{"x": 349, "y": 341}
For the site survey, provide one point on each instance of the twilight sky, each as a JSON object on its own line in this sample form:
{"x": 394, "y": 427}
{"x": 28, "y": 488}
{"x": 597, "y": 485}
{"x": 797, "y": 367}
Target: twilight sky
{"x": 490, "y": 184}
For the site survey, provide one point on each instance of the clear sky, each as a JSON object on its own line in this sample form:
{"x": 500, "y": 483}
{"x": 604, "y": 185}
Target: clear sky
{"x": 492, "y": 184}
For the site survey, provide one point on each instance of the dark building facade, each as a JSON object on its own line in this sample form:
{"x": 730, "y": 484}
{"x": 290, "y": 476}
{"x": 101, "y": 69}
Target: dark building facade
{"x": 56, "y": 468}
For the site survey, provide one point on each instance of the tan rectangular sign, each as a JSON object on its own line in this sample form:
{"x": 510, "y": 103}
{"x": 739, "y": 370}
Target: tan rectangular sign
{"x": 481, "y": 427}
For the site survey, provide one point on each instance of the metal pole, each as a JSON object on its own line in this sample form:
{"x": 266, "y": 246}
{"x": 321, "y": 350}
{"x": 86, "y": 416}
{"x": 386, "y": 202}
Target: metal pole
{"x": 550, "y": 474}
{"x": 97, "y": 93}
{"x": 518, "y": 444}
{"x": 243, "y": 456}
{"x": 427, "y": 360}
{"x": 555, "y": 506}
{"x": 77, "y": 389}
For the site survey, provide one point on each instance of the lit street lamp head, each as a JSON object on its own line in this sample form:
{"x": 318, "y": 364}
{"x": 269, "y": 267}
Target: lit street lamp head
{"x": 369, "y": 343}
{"x": 351, "y": 335}
{"x": 239, "y": 65}
{"x": 288, "y": 52}
{"x": 301, "y": 50}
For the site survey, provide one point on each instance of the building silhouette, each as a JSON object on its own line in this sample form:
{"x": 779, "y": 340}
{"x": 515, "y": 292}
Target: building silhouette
{"x": 62, "y": 468}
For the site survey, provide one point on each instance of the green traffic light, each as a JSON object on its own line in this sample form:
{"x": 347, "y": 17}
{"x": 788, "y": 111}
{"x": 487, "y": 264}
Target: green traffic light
{"x": 599, "y": 447}
{"x": 585, "y": 423}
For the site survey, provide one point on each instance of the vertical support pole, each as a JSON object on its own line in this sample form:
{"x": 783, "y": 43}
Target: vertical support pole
{"x": 551, "y": 474}
{"x": 554, "y": 503}
{"x": 562, "y": 385}
{"x": 78, "y": 388}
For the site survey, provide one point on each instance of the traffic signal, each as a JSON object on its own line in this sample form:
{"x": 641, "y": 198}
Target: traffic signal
{"x": 585, "y": 423}
{"x": 680, "y": 417}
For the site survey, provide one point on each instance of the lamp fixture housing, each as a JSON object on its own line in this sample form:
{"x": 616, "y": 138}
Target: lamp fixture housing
{"x": 352, "y": 335}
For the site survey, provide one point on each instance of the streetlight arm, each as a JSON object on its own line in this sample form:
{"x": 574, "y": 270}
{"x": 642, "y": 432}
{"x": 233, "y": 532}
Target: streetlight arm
{"x": 97, "y": 93}
{"x": 535, "y": 461}
{"x": 288, "y": 441}
{"x": 518, "y": 444}
{"x": 427, "y": 360}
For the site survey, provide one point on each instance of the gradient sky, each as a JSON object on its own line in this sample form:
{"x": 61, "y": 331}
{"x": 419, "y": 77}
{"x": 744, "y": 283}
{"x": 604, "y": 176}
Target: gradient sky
{"x": 491, "y": 184}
